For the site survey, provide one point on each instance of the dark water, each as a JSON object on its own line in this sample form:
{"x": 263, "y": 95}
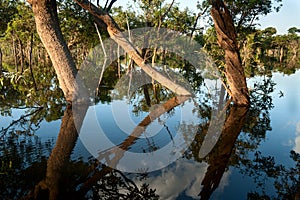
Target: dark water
{"x": 255, "y": 154}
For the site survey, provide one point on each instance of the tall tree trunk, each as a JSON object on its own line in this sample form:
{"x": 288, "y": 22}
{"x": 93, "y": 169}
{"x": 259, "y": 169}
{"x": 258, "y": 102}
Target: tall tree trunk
{"x": 1, "y": 70}
{"x": 30, "y": 62}
{"x": 47, "y": 25}
{"x": 281, "y": 54}
{"x": 293, "y": 60}
{"x": 146, "y": 95}
{"x": 21, "y": 55}
{"x": 15, "y": 53}
{"x": 226, "y": 35}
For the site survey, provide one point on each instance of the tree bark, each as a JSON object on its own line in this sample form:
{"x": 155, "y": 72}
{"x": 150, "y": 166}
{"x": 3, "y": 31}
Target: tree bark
{"x": 30, "y": 62}
{"x": 281, "y": 54}
{"x": 226, "y": 35}
{"x": 1, "y": 70}
{"x": 293, "y": 60}
{"x": 21, "y": 55}
{"x": 105, "y": 20}
{"x": 47, "y": 25}
{"x": 15, "y": 52}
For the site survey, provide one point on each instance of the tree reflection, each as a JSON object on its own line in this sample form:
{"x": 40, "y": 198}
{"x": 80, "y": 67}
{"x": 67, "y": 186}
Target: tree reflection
{"x": 24, "y": 166}
{"x": 108, "y": 183}
{"x": 113, "y": 156}
{"x": 286, "y": 180}
{"x": 104, "y": 182}
{"x": 218, "y": 158}
{"x": 242, "y": 133}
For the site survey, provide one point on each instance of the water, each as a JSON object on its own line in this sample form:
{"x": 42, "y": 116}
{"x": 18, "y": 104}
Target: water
{"x": 258, "y": 160}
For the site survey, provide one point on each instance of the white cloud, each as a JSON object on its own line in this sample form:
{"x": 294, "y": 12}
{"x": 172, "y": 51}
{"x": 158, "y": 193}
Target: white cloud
{"x": 297, "y": 139}
{"x": 184, "y": 176}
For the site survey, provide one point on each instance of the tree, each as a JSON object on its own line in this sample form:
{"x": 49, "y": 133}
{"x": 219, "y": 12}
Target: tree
{"x": 104, "y": 19}
{"x": 7, "y": 10}
{"x": 78, "y": 29}
{"x": 60, "y": 154}
{"x": 1, "y": 62}
{"x": 226, "y": 35}
{"x": 47, "y": 24}
{"x": 245, "y": 13}
{"x": 237, "y": 15}
{"x": 293, "y": 30}
{"x": 219, "y": 157}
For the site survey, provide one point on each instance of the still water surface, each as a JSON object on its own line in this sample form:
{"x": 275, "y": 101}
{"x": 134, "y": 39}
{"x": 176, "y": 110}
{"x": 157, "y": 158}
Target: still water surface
{"x": 260, "y": 161}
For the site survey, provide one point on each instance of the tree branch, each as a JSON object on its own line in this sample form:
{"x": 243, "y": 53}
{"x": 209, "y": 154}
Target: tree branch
{"x": 110, "y": 5}
{"x": 116, "y": 34}
{"x": 167, "y": 11}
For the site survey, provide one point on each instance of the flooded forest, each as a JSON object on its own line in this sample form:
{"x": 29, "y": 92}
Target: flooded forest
{"x": 152, "y": 100}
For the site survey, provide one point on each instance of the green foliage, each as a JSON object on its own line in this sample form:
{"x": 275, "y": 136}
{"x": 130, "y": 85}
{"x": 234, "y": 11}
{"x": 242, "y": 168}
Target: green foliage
{"x": 293, "y": 30}
{"x": 246, "y": 12}
{"x": 22, "y": 23}
{"x": 47, "y": 96}
{"x": 263, "y": 51}
{"x": 77, "y": 26}
{"x": 8, "y": 9}
{"x": 156, "y": 14}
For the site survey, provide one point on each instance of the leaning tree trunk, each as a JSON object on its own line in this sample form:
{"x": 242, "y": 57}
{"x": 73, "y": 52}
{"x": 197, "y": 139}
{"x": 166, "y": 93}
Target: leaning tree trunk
{"x": 47, "y": 25}
{"x": 104, "y": 19}
{"x": 226, "y": 35}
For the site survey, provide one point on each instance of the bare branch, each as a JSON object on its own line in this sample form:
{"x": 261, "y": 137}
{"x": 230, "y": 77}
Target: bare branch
{"x": 168, "y": 10}
{"x": 110, "y": 5}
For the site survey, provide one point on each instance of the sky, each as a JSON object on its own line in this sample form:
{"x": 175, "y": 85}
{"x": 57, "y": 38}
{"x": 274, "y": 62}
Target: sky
{"x": 287, "y": 17}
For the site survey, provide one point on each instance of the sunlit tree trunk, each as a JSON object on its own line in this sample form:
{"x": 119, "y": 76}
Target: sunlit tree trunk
{"x": 226, "y": 35}
{"x": 293, "y": 60}
{"x": 104, "y": 19}
{"x": 30, "y": 62}
{"x": 15, "y": 52}
{"x": 281, "y": 54}
{"x": 21, "y": 55}
{"x": 47, "y": 25}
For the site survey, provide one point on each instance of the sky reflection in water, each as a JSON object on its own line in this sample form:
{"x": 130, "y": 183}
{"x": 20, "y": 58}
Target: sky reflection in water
{"x": 182, "y": 179}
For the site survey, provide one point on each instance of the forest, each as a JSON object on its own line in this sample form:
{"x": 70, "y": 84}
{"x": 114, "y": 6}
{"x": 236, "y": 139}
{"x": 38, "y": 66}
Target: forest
{"x": 25, "y": 61}
{"x": 233, "y": 131}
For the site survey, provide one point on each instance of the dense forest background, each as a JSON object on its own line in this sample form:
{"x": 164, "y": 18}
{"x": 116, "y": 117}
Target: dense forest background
{"x": 21, "y": 50}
